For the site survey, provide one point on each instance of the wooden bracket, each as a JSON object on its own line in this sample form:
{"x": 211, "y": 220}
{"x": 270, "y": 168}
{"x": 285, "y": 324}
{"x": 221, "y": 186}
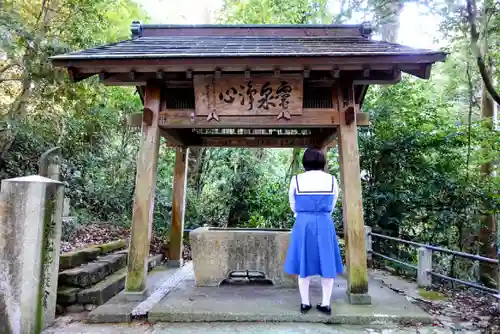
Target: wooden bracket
{"x": 350, "y": 115}
{"x": 284, "y": 114}
{"x": 103, "y": 75}
{"x": 147, "y": 116}
{"x": 132, "y": 75}
{"x": 307, "y": 73}
{"x": 212, "y": 116}
{"x": 72, "y": 74}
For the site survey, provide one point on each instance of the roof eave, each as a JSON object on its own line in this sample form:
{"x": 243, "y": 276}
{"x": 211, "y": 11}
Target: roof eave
{"x": 436, "y": 56}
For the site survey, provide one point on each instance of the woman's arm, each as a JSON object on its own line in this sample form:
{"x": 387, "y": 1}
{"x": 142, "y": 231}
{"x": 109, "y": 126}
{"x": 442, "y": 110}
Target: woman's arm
{"x": 291, "y": 193}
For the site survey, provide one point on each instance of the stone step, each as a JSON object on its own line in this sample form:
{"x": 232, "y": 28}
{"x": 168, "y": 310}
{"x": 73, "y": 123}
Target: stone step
{"x": 77, "y": 258}
{"x": 110, "y": 286}
{"x": 89, "y": 254}
{"x": 101, "y": 292}
{"x": 112, "y": 246}
{"x": 91, "y": 273}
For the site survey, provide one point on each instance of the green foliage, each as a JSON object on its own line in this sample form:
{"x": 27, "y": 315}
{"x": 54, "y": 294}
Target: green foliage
{"x": 275, "y": 11}
{"x": 420, "y": 159}
{"x": 40, "y": 108}
{"x": 419, "y": 184}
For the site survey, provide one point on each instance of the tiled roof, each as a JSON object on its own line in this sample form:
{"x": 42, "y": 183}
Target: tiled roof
{"x": 158, "y": 47}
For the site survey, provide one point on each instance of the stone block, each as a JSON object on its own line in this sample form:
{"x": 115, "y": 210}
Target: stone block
{"x": 136, "y": 296}
{"x": 111, "y": 246}
{"x": 219, "y": 251}
{"x": 91, "y": 273}
{"x": 115, "y": 262}
{"x": 154, "y": 261}
{"x": 175, "y": 263}
{"x": 358, "y": 298}
{"x": 104, "y": 290}
{"x": 66, "y": 207}
{"x": 112, "y": 313}
{"x": 78, "y": 257}
{"x": 30, "y": 235}
{"x": 66, "y": 295}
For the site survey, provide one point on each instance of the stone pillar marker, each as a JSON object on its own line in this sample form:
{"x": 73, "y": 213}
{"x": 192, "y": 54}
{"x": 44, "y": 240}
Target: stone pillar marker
{"x": 30, "y": 232}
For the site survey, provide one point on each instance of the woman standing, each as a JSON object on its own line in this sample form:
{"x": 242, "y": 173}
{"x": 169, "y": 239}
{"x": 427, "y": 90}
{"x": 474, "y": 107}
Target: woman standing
{"x": 314, "y": 248}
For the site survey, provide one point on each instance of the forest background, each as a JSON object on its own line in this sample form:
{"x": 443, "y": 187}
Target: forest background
{"x": 429, "y": 157}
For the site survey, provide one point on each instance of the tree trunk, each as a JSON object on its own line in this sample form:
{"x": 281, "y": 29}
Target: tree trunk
{"x": 476, "y": 51}
{"x": 489, "y": 226}
{"x": 388, "y": 16}
{"x": 196, "y": 155}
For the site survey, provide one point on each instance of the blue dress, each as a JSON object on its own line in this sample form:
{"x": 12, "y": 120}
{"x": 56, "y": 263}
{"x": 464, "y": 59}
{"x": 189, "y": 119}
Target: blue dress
{"x": 313, "y": 248}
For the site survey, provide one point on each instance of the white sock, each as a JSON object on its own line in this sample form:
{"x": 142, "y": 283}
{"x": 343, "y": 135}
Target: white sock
{"x": 327, "y": 287}
{"x": 304, "y": 289}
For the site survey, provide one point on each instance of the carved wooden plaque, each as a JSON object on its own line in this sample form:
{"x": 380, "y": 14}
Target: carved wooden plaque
{"x": 235, "y": 95}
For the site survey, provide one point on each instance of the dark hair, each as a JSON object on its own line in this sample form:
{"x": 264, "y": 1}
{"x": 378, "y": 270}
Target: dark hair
{"x": 313, "y": 159}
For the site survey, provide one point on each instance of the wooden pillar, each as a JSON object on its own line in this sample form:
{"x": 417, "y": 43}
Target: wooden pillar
{"x": 352, "y": 205}
{"x": 178, "y": 207}
{"x": 145, "y": 186}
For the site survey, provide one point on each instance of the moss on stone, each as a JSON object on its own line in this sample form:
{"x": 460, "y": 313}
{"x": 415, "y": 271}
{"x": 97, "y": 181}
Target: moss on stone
{"x": 111, "y": 246}
{"x": 358, "y": 280}
{"x": 78, "y": 257}
{"x": 66, "y": 295}
{"x": 431, "y": 295}
{"x": 45, "y": 258}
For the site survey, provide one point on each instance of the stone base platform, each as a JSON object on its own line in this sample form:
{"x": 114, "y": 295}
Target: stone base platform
{"x": 256, "y": 303}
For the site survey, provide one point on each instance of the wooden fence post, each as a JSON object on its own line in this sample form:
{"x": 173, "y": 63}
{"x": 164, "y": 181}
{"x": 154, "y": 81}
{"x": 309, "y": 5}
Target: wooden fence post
{"x": 424, "y": 278}
{"x": 368, "y": 243}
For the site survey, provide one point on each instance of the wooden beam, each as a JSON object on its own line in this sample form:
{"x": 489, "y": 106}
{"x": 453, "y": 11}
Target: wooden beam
{"x": 311, "y": 118}
{"x": 178, "y": 207}
{"x": 173, "y": 138}
{"x": 145, "y": 185}
{"x": 379, "y": 78}
{"x": 384, "y": 75}
{"x": 327, "y": 138}
{"x": 354, "y": 232}
{"x": 423, "y": 72}
{"x": 360, "y": 92}
{"x": 256, "y": 141}
{"x": 75, "y": 75}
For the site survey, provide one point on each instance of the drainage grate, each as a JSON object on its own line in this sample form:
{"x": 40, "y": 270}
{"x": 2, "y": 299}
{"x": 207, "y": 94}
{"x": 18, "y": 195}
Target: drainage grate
{"x": 247, "y": 277}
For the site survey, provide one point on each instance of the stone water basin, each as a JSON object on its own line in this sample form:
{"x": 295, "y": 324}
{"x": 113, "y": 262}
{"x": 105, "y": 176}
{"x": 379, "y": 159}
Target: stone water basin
{"x": 221, "y": 253}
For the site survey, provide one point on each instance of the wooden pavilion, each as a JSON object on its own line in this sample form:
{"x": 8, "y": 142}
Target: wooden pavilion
{"x": 247, "y": 86}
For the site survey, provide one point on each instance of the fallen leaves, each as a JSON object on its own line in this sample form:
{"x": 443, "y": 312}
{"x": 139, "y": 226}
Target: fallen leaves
{"x": 100, "y": 233}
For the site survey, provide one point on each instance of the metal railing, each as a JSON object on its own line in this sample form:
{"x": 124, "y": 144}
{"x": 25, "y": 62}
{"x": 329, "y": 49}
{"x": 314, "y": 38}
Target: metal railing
{"x": 424, "y": 265}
